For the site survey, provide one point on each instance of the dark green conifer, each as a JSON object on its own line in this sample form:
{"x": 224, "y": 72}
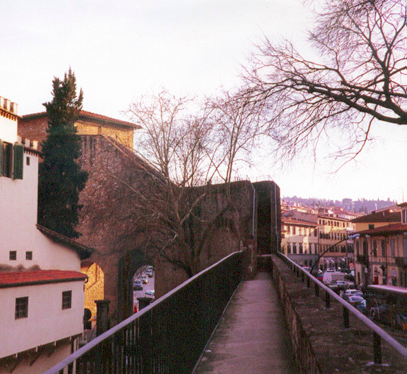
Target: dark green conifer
{"x": 60, "y": 176}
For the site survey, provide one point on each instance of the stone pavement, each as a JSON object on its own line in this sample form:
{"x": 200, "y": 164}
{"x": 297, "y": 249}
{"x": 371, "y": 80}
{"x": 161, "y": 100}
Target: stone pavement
{"x": 251, "y": 337}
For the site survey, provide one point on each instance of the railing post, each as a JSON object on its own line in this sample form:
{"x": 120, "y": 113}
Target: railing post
{"x": 327, "y": 300}
{"x": 316, "y": 289}
{"x": 102, "y": 316}
{"x": 377, "y": 348}
{"x": 345, "y": 317}
{"x": 308, "y": 282}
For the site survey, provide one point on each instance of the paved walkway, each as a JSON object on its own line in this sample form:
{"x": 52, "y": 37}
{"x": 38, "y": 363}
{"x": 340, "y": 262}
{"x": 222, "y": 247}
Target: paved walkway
{"x": 251, "y": 337}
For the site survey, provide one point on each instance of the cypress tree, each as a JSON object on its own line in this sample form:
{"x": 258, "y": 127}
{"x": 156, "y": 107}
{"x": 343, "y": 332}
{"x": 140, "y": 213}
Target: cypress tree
{"x": 60, "y": 176}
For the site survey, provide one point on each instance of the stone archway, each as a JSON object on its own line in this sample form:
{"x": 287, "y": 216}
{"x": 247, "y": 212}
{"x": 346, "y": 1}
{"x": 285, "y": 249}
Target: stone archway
{"x": 94, "y": 286}
{"x": 127, "y": 266}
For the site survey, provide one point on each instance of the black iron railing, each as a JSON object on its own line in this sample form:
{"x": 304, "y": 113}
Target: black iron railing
{"x": 169, "y": 335}
{"x": 377, "y": 333}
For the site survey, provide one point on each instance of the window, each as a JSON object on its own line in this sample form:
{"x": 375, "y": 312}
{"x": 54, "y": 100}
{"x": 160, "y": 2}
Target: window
{"x": 300, "y": 248}
{"x": 294, "y": 248}
{"x": 66, "y": 299}
{"x": 11, "y": 160}
{"x": 371, "y": 226}
{"x": 21, "y": 307}
{"x": 392, "y": 248}
{"x": 288, "y": 248}
{"x": 6, "y": 159}
{"x": 383, "y": 248}
{"x": 13, "y": 255}
{"x": 28, "y": 255}
{"x": 27, "y": 161}
{"x": 404, "y": 216}
{"x": 374, "y": 248}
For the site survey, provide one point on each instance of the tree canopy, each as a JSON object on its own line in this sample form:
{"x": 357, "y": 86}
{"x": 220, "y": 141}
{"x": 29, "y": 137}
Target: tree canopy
{"x": 358, "y": 77}
{"x": 60, "y": 176}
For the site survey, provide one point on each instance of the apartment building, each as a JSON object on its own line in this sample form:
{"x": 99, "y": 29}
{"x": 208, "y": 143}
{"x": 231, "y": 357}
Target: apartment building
{"x": 381, "y": 248}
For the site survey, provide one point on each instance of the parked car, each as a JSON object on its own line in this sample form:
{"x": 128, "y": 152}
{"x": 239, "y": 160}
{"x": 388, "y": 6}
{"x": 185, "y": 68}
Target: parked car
{"x": 361, "y": 306}
{"x": 138, "y": 285}
{"x": 355, "y": 300}
{"x": 352, "y": 291}
{"x": 149, "y": 273}
{"x": 332, "y": 277}
{"x": 150, "y": 293}
{"x": 144, "y": 279}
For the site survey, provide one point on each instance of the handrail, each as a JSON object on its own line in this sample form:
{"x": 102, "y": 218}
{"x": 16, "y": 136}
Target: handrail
{"x": 135, "y": 318}
{"x": 371, "y": 325}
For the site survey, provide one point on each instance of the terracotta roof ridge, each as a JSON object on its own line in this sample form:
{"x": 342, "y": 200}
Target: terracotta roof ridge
{"x": 106, "y": 118}
{"x": 88, "y": 114}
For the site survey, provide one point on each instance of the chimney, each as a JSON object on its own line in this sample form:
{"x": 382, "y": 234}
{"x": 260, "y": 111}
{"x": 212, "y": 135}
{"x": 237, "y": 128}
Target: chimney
{"x": 6, "y": 104}
{"x": 13, "y": 108}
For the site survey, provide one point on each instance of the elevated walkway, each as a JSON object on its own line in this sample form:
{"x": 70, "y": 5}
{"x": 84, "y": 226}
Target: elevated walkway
{"x": 251, "y": 336}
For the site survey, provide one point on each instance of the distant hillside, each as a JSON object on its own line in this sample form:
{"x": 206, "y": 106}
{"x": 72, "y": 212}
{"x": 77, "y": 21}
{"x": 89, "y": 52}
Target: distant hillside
{"x": 357, "y": 206}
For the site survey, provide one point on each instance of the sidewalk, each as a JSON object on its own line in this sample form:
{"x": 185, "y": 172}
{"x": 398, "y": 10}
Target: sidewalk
{"x": 251, "y": 337}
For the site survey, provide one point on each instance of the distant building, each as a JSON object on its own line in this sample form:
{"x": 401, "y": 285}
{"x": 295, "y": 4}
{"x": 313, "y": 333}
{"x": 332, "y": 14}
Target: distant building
{"x": 333, "y": 241}
{"x": 381, "y": 249}
{"x": 317, "y": 234}
{"x": 300, "y": 241}
{"x": 41, "y": 287}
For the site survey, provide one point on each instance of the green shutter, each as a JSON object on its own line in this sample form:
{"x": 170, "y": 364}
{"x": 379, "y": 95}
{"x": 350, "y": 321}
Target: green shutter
{"x": 18, "y": 161}
{"x": 1, "y": 157}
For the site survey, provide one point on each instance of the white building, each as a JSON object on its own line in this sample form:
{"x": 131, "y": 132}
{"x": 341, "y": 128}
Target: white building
{"x": 41, "y": 288}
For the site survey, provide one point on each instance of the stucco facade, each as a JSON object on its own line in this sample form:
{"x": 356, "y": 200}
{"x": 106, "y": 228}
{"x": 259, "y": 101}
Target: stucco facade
{"x": 41, "y": 287}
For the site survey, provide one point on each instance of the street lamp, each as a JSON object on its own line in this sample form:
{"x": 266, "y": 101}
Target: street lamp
{"x": 354, "y": 236}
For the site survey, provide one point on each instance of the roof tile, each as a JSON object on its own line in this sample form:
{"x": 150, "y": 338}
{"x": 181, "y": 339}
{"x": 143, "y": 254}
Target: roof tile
{"x": 28, "y": 278}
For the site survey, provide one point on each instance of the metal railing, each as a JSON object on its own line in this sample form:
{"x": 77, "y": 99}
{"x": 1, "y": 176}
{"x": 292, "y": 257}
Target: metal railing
{"x": 169, "y": 335}
{"x": 378, "y": 333}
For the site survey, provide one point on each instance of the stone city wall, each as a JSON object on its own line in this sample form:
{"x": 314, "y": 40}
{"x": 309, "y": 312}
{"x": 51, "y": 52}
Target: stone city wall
{"x": 320, "y": 341}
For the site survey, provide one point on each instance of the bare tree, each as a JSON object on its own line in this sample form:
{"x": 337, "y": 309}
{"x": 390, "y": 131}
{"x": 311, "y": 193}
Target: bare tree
{"x": 182, "y": 148}
{"x": 237, "y": 129}
{"x": 359, "y": 79}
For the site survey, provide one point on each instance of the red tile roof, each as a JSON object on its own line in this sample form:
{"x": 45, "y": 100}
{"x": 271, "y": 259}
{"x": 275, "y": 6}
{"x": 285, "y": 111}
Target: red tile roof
{"x": 397, "y": 228}
{"x": 89, "y": 115}
{"x": 385, "y": 216}
{"x": 291, "y": 221}
{"x": 99, "y": 117}
{"x": 29, "y": 278}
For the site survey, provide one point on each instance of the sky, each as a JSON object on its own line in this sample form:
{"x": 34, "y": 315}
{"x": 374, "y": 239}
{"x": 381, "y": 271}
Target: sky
{"x": 122, "y": 49}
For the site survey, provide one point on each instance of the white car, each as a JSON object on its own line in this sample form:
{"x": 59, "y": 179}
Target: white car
{"x": 150, "y": 293}
{"x": 353, "y": 292}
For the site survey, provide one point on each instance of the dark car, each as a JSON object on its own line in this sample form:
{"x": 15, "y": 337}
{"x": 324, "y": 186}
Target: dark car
{"x": 137, "y": 285}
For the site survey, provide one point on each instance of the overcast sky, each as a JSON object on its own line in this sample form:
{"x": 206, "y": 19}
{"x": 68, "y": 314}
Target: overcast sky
{"x": 123, "y": 48}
